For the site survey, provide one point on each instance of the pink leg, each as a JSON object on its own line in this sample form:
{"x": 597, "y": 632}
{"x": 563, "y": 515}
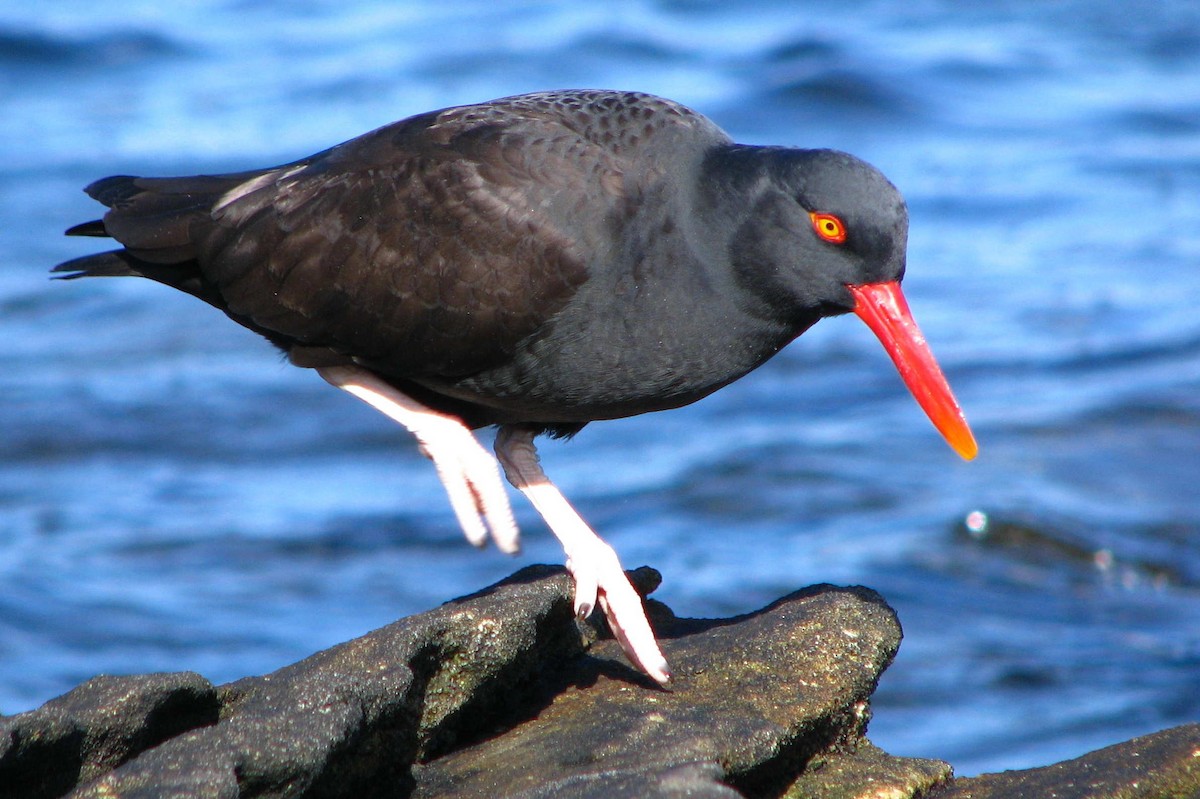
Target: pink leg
{"x": 593, "y": 563}
{"x": 465, "y": 468}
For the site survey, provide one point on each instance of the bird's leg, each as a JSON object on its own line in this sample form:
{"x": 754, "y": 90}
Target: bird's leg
{"x": 593, "y": 563}
{"x": 465, "y": 468}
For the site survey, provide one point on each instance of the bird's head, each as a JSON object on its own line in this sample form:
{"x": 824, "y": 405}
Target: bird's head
{"x": 826, "y": 234}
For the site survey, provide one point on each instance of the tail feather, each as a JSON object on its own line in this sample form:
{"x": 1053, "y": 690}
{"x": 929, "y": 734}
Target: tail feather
{"x": 181, "y": 276}
{"x": 122, "y": 263}
{"x": 156, "y": 220}
{"x": 115, "y": 263}
{"x": 161, "y": 223}
{"x": 118, "y": 191}
{"x": 92, "y": 228}
{"x": 156, "y": 217}
{"x": 149, "y": 220}
{"x": 114, "y": 190}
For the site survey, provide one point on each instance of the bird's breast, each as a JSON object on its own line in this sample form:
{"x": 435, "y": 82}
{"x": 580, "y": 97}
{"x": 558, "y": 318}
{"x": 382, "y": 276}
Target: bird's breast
{"x": 624, "y": 349}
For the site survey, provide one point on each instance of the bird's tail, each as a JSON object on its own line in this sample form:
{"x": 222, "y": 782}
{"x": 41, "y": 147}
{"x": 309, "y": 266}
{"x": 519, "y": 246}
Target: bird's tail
{"x": 160, "y": 222}
{"x": 157, "y": 221}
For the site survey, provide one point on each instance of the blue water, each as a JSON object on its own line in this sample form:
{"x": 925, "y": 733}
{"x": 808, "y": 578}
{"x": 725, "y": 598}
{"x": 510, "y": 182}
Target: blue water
{"x": 174, "y": 497}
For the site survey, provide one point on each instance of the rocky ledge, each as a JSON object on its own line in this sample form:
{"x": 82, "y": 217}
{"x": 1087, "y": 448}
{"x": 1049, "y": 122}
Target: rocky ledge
{"x": 501, "y": 694}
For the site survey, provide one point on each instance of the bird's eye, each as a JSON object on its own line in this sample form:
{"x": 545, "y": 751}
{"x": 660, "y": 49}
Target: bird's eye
{"x": 829, "y": 227}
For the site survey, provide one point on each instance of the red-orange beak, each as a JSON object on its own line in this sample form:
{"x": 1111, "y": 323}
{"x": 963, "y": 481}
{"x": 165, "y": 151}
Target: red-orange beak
{"x": 883, "y": 307}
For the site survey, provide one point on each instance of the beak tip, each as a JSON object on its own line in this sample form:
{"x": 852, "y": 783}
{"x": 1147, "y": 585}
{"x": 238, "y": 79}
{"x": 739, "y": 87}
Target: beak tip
{"x": 966, "y": 448}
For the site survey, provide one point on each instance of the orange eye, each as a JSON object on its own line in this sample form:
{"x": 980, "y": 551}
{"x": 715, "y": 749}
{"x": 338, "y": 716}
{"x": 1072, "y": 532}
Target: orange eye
{"x": 829, "y": 227}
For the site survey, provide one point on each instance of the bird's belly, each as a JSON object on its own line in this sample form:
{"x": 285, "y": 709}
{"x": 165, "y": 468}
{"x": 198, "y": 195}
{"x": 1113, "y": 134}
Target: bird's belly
{"x": 589, "y": 380}
{"x": 557, "y": 403}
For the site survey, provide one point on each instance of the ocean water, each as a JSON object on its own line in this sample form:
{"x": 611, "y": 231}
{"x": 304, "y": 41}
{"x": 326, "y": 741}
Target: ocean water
{"x": 173, "y": 496}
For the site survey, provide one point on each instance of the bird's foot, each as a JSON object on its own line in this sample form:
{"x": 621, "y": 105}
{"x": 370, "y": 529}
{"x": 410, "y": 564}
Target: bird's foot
{"x": 467, "y": 471}
{"x": 626, "y": 616}
{"x": 599, "y": 578}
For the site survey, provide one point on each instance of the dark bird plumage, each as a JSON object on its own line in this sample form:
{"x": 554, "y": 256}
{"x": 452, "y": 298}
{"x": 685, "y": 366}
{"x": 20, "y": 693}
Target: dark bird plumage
{"x": 539, "y": 261}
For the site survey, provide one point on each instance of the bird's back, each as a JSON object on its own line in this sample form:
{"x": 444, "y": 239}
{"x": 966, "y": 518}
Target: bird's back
{"x": 430, "y": 249}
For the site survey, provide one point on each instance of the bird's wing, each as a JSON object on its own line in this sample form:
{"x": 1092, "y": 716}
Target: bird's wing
{"x": 430, "y": 246}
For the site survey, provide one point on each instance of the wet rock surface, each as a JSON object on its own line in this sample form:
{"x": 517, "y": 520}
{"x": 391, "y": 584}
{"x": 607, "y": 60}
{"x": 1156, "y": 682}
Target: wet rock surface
{"x": 96, "y": 727}
{"x": 1164, "y": 765}
{"x": 754, "y": 698}
{"x": 503, "y": 694}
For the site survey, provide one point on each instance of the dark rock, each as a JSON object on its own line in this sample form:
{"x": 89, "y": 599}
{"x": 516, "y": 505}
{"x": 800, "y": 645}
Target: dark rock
{"x": 97, "y": 727}
{"x": 350, "y": 720}
{"x": 867, "y": 772}
{"x": 754, "y": 699}
{"x": 502, "y": 694}
{"x": 1164, "y": 765}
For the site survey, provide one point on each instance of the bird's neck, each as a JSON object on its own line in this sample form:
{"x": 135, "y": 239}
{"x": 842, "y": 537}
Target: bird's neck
{"x": 733, "y": 199}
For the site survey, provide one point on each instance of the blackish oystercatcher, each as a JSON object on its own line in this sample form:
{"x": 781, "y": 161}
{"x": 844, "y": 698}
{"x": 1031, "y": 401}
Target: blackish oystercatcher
{"x": 535, "y": 262}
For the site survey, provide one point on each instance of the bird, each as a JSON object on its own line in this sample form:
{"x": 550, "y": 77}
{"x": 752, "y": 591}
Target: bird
{"x": 534, "y": 263}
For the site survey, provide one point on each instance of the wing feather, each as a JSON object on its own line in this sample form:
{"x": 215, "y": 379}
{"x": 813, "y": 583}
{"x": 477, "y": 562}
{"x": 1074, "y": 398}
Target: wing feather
{"x": 432, "y": 247}
{"x": 416, "y": 256}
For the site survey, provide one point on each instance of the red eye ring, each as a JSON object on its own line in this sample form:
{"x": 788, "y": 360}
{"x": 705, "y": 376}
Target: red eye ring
{"x": 829, "y": 227}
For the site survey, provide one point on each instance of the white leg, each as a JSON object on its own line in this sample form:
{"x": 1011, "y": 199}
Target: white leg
{"x": 593, "y": 563}
{"x": 468, "y": 472}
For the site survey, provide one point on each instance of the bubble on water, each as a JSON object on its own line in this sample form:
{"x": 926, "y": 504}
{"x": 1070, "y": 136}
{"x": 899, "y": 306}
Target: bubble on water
{"x": 977, "y": 523}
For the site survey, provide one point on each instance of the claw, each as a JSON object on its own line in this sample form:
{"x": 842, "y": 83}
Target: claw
{"x": 637, "y": 643}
